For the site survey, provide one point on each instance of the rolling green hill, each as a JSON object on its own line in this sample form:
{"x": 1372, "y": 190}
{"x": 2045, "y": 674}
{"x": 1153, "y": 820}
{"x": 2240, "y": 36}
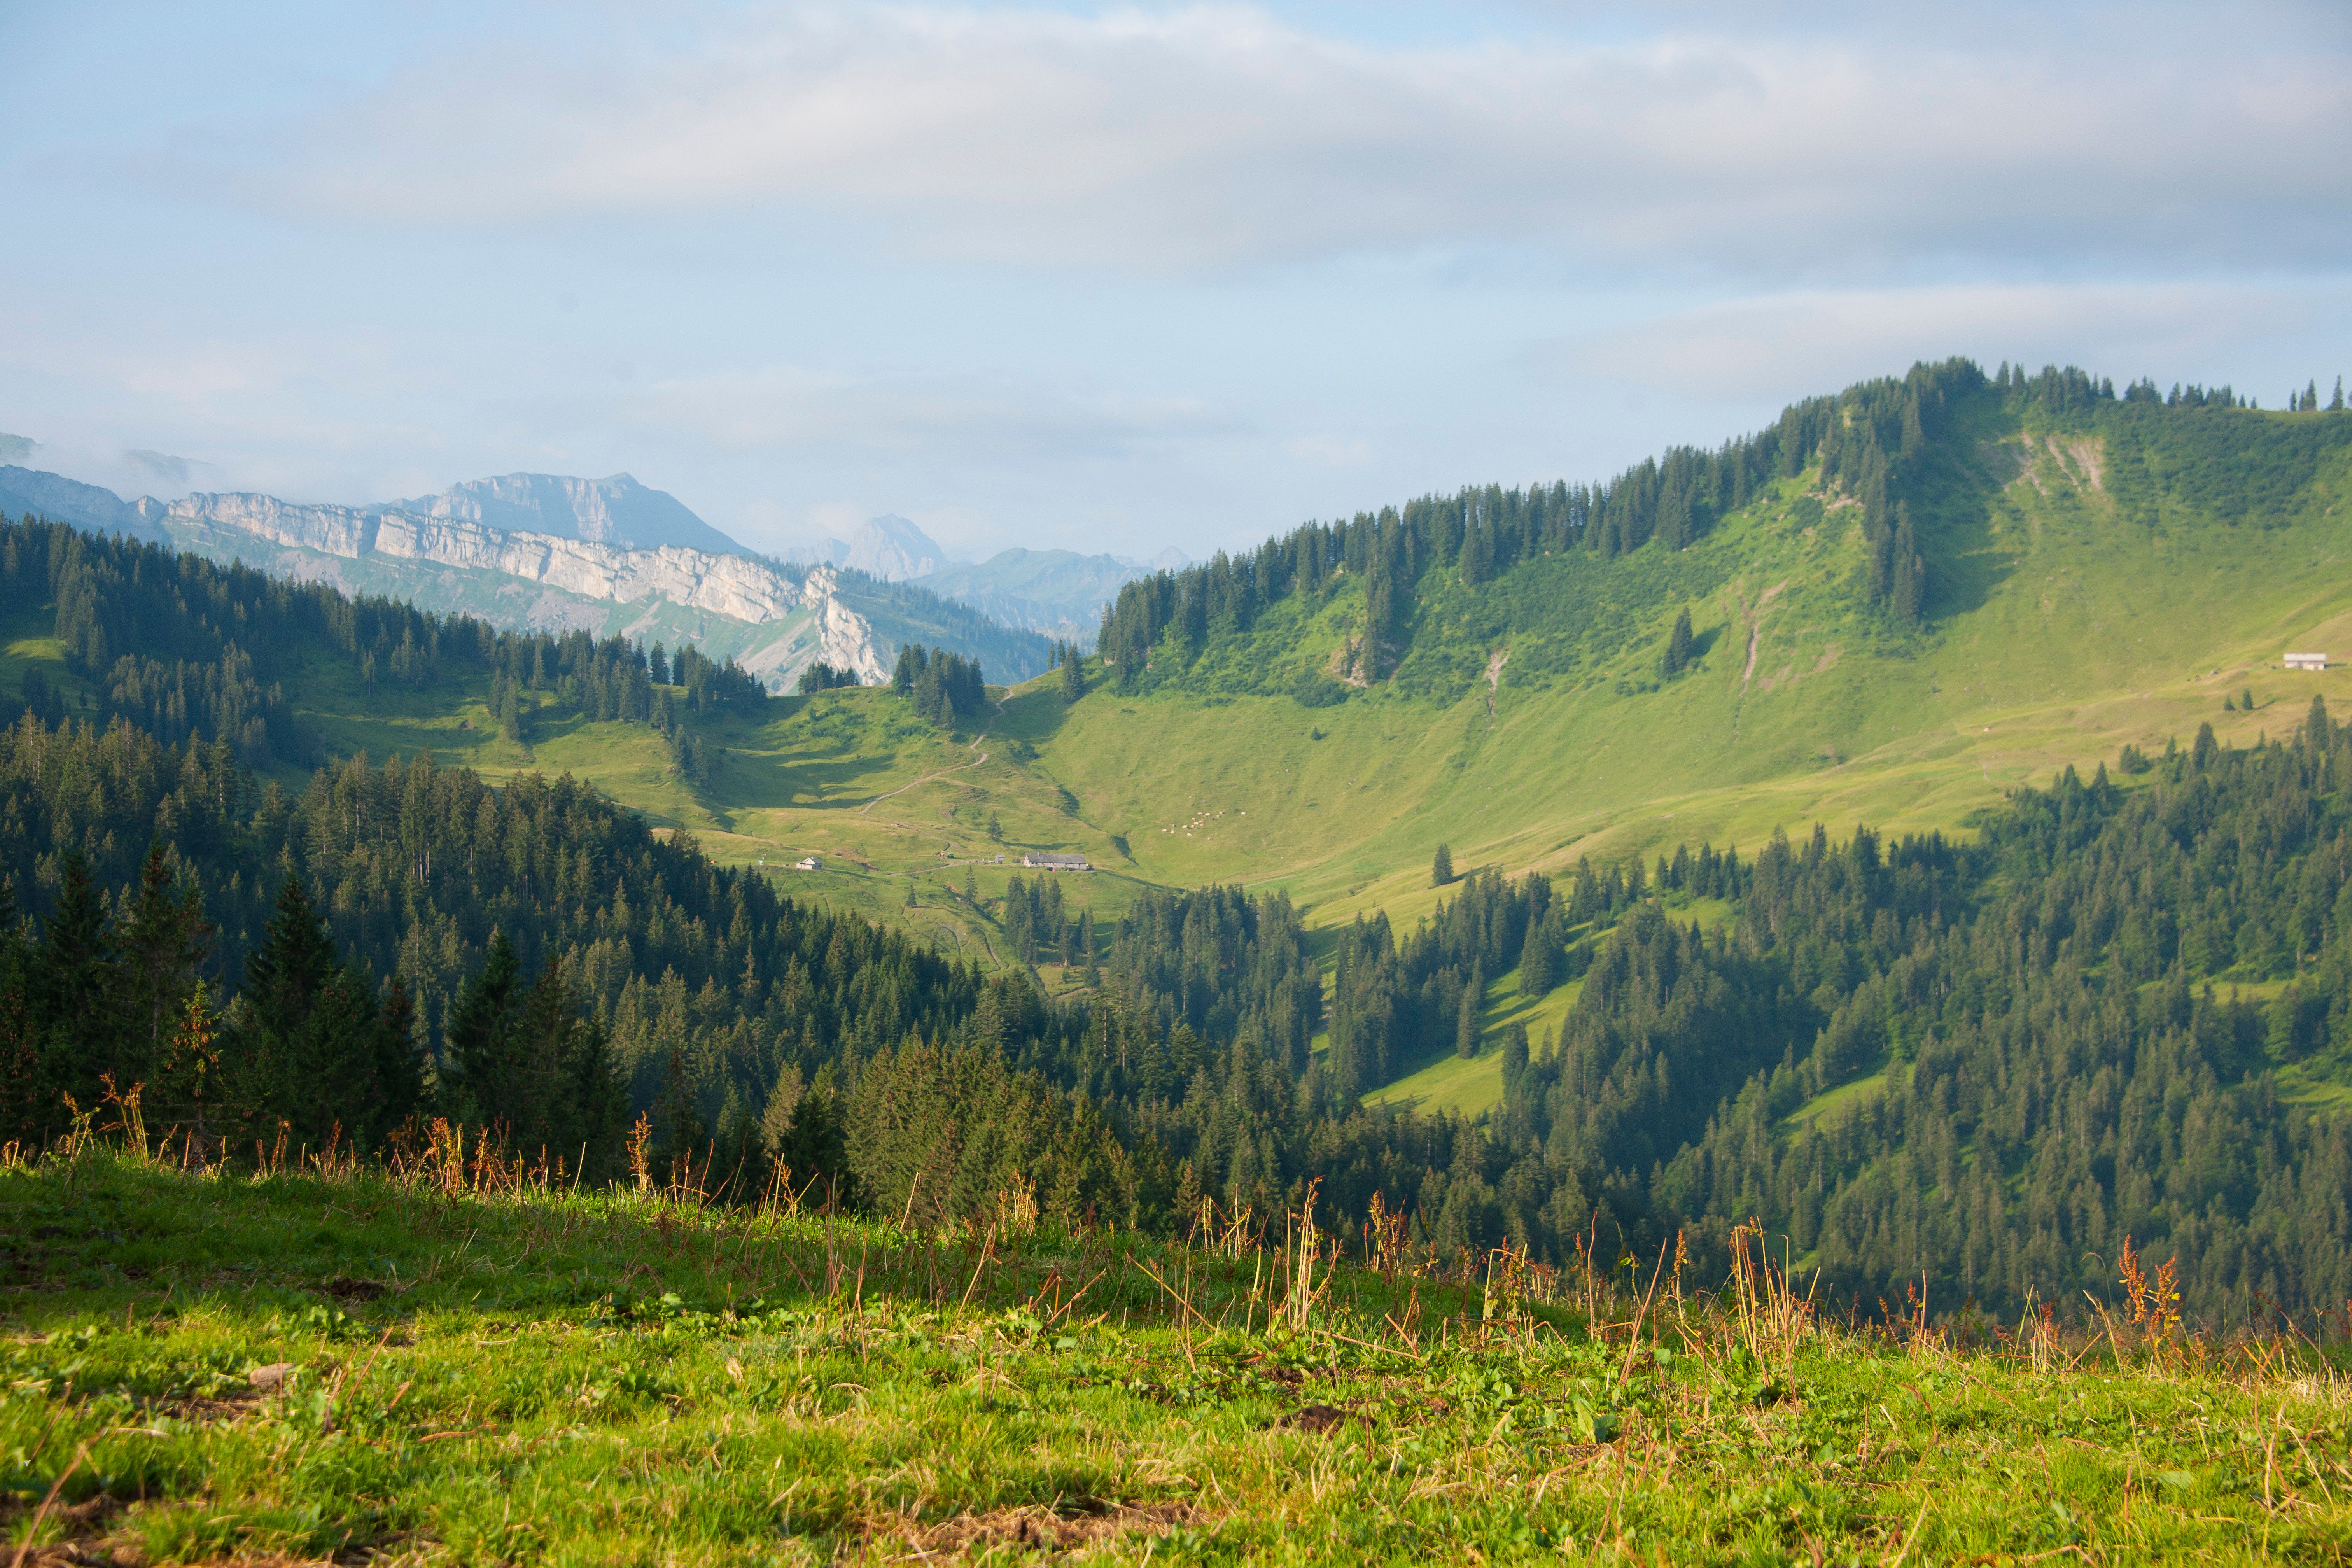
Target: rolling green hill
{"x": 1904, "y": 1050}
{"x": 2093, "y": 572}
{"x": 2101, "y": 572}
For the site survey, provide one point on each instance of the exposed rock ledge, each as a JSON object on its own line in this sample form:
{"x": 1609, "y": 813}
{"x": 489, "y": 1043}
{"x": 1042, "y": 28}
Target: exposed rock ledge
{"x": 730, "y": 585}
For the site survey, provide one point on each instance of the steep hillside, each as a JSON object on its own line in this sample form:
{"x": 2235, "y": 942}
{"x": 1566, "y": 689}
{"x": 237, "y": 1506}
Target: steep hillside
{"x": 2087, "y": 572}
{"x": 2093, "y": 572}
{"x": 2116, "y": 1006}
{"x": 2098, "y": 571}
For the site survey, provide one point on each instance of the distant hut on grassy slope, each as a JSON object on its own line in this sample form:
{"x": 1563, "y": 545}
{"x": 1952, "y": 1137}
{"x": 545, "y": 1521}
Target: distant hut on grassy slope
{"x": 2307, "y": 661}
{"x": 1055, "y": 862}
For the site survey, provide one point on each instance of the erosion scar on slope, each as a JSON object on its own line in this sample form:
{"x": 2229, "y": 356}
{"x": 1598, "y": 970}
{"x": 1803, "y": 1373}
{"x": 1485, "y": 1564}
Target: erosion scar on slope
{"x": 964, "y": 767}
{"x": 1756, "y": 629}
{"x": 1495, "y": 663}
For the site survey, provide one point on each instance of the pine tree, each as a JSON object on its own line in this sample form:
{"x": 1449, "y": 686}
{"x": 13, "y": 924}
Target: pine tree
{"x": 162, "y": 943}
{"x": 480, "y": 1036}
{"x": 740, "y": 1165}
{"x": 1909, "y": 591}
{"x": 23, "y": 1090}
{"x": 1074, "y": 674}
{"x": 1441, "y": 868}
{"x": 307, "y": 1048}
{"x": 1467, "y": 1027}
{"x": 680, "y": 1137}
{"x": 1539, "y": 957}
{"x": 1514, "y": 1057}
{"x": 76, "y": 991}
{"x": 1678, "y": 644}
{"x": 815, "y": 1149}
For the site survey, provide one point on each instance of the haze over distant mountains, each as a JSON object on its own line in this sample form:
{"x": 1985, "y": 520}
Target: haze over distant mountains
{"x": 551, "y": 552}
{"x": 616, "y": 511}
{"x": 1057, "y": 592}
{"x": 578, "y": 538}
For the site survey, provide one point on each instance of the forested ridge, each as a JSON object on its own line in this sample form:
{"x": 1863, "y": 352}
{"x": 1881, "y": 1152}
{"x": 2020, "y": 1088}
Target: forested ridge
{"x": 169, "y": 641}
{"x": 1968, "y": 1066}
{"x": 1612, "y": 561}
{"x": 2046, "y": 1067}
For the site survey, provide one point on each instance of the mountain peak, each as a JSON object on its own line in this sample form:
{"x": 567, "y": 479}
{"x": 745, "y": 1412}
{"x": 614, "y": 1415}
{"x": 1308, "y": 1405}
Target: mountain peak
{"x": 616, "y": 509}
{"x": 893, "y": 549}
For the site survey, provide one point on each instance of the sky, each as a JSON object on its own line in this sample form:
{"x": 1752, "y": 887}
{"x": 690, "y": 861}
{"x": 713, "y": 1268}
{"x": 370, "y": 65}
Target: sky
{"x": 1118, "y": 278}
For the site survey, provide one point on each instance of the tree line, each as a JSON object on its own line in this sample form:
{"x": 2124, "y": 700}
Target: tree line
{"x": 1897, "y": 447}
{"x": 2034, "y": 1055}
{"x": 941, "y": 686}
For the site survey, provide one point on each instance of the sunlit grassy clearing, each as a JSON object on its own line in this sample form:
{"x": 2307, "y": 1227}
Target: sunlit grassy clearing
{"x": 207, "y": 1367}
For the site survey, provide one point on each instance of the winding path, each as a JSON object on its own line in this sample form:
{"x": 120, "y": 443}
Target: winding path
{"x": 973, "y": 744}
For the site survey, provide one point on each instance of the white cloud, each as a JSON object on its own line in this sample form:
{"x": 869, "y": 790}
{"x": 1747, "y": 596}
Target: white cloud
{"x": 1217, "y": 138}
{"x": 786, "y": 408}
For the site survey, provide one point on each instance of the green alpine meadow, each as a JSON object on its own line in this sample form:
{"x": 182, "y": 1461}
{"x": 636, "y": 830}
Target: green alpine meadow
{"x": 1790, "y": 1004}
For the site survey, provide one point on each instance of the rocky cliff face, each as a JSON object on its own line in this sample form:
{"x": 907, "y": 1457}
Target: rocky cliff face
{"x": 730, "y": 585}
{"x": 726, "y": 585}
{"x": 811, "y": 622}
{"x": 617, "y": 511}
{"x": 460, "y": 551}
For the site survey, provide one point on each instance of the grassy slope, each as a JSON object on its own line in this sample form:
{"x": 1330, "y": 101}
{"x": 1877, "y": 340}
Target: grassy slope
{"x": 2065, "y": 625}
{"x": 2067, "y": 633}
{"x": 303, "y": 1366}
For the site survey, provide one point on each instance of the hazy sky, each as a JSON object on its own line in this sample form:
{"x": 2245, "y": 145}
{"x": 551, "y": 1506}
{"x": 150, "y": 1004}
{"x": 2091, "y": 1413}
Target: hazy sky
{"x": 1118, "y": 278}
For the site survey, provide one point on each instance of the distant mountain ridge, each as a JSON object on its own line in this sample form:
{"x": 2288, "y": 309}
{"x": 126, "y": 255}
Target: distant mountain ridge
{"x": 70, "y": 501}
{"x": 612, "y": 557}
{"x": 1058, "y": 592}
{"x": 614, "y": 511}
{"x": 888, "y": 548}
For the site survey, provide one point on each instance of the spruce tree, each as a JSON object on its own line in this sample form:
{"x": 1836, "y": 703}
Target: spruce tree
{"x": 1678, "y": 644}
{"x": 1515, "y": 1057}
{"x": 530, "y": 1066}
{"x": 162, "y": 945}
{"x": 308, "y": 1049}
{"x": 680, "y": 1140}
{"x": 815, "y": 1150}
{"x": 1074, "y": 674}
{"x": 1466, "y": 1030}
{"x": 22, "y": 1085}
{"x": 1441, "y": 868}
{"x": 479, "y": 1035}
{"x": 75, "y": 992}
{"x": 1539, "y": 957}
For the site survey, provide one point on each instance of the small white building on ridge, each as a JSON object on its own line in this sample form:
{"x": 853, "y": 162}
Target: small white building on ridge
{"x": 1055, "y": 862}
{"x": 2307, "y": 661}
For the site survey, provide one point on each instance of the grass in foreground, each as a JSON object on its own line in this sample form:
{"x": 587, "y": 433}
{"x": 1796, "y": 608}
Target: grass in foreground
{"x": 340, "y": 1366}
